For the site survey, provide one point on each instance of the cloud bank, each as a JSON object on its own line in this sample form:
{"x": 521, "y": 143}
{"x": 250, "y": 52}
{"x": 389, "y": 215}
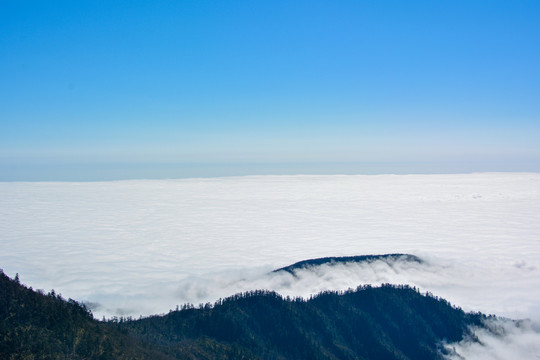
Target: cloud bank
{"x": 142, "y": 247}
{"x": 503, "y": 340}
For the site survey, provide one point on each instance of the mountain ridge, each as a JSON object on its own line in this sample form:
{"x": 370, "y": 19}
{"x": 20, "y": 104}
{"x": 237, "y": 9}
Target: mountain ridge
{"x": 386, "y": 322}
{"x": 335, "y": 260}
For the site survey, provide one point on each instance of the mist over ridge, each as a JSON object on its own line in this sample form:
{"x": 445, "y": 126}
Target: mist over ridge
{"x": 332, "y": 261}
{"x": 179, "y": 238}
{"x": 135, "y": 247}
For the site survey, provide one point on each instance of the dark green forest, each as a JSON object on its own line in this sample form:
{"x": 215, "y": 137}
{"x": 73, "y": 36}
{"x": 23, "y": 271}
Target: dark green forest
{"x": 34, "y": 325}
{"x": 387, "y": 322}
{"x": 334, "y": 260}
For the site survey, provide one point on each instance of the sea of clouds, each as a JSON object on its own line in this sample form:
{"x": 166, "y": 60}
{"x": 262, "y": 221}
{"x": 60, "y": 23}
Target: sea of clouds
{"x": 145, "y": 246}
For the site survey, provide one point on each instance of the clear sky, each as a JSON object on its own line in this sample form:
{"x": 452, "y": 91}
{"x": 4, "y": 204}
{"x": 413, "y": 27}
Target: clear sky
{"x": 143, "y": 89}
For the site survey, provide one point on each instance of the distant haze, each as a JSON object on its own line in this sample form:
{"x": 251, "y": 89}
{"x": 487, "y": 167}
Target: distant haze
{"x": 48, "y": 171}
{"x": 129, "y": 90}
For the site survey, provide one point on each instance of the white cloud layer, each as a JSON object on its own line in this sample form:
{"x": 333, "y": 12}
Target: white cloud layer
{"x": 504, "y": 340}
{"x": 142, "y": 247}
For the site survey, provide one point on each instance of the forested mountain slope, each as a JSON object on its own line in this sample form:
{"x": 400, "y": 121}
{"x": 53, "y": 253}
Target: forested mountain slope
{"x": 38, "y": 326}
{"x": 335, "y": 260}
{"x": 386, "y": 322}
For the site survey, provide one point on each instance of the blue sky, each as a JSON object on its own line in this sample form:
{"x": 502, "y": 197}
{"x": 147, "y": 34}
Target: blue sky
{"x": 146, "y": 89}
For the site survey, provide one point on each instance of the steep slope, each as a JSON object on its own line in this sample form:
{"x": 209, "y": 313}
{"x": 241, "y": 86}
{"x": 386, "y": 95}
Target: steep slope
{"x": 335, "y": 260}
{"x": 368, "y": 323}
{"x": 38, "y": 326}
{"x": 388, "y": 322}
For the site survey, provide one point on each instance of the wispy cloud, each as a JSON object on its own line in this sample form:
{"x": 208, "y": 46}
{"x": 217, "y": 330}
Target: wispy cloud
{"x": 502, "y": 340}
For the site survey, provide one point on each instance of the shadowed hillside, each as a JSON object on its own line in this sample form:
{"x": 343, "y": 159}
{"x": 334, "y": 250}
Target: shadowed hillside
{"x": 34, "y": 325}
{"x": 389, "y": 258}
{"x": 368, "y": 323}
{"x": 387, "y": 322}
